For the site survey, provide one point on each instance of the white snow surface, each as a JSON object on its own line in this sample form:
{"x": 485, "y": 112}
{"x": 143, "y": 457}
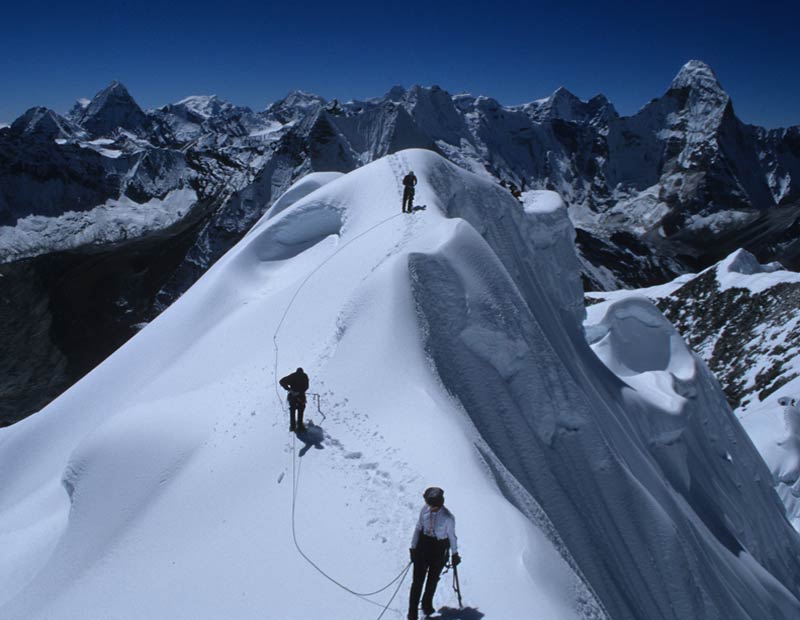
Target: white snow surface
{"x": 308, "y": 184}
{"x": 165, "y": 487}
{"x": 447, "y": 349}
{"x": 99, "y": 147}
{"x": 772, "y": 434}
{"x": 636, "y": 342}
{"x": 202, "y": 105}
{"x": 741, "y": 270}
{"x": 114, "y": 221}
{"x": 762, "y": 419}
{"x": 538, "y": 201}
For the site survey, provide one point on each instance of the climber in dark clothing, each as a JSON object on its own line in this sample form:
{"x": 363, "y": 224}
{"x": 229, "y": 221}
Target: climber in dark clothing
{"x": 434, "y": 535}
{"x": 409, "y": 181}
{"x": 296, "y": 385}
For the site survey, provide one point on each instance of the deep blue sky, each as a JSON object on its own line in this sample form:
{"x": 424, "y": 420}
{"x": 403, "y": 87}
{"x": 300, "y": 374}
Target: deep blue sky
{"x": 252, "y": 53}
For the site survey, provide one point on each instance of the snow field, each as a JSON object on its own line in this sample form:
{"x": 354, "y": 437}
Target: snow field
{"x": 176, "y": 462}
{"x": 447, "y": 348}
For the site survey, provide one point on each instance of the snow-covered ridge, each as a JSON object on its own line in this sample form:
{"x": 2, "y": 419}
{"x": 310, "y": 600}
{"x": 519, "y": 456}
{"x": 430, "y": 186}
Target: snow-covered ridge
{"x": 742, "y": 270}
{"x": 167, "y": 486}
{"x": 197, "y": 446}
{"x": 203, "y": 105}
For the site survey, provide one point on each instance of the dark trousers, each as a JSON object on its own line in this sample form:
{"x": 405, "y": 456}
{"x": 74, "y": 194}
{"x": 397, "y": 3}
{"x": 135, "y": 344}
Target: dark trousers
{"x": 297, "y": 403}
{"x": 408, "y": 197}
{"x": 429, "y": 562}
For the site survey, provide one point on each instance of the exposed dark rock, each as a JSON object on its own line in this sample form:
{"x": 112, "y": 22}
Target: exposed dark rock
{"x": 719, "y": 324}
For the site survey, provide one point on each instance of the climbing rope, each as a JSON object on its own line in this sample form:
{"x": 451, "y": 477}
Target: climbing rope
{"x": 300, "y": 288}
{"x": 296, "y": 469}
{"x": 400, "y": 577}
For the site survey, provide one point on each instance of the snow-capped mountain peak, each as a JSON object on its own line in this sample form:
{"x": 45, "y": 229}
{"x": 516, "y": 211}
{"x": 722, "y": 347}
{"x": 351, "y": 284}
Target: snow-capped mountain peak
{"x": 561, "y": 104}
{"x": 204, "y": 106}
{"x": 115, "y": 92}
{"x": 300, "y": 99}
{"x": 111, "y": 109}
{"x": 698, "y": 75}
{"x": 743, "y": 262}
{"x": 43, "y": 123}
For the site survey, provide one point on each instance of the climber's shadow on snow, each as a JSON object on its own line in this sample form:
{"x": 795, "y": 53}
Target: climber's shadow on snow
{"x": 419, "y": 207}
{"x": 465, "y": 613}
{"x": 312, "y": 437}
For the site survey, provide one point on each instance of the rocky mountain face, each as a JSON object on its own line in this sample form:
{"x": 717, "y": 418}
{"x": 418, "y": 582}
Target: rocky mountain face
{"x": 665, "y": 191}
{"x": 741, "y": 317}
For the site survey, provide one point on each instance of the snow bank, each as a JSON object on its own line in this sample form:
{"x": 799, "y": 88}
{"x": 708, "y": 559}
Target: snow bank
{"x": 563, "y": 424}
{"x": 309, "y": 183}
{"x": 738, "y": 269}
{"x": 539, "y": 201}
{"x": 639, "y": 345}
{"x": 771, "y": 428}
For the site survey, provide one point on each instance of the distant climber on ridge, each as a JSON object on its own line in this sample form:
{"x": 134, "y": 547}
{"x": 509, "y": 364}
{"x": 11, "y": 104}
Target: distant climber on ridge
{"x": 434, "y": 535}
{"x": 409, "y": 182}
{"x": 296, "y": 385}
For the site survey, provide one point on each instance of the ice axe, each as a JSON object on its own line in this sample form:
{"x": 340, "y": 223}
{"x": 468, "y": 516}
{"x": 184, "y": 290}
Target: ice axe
{"x": 456, "y": 585}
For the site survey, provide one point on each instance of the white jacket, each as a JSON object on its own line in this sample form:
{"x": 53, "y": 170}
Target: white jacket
{"x": 439, "y": 524}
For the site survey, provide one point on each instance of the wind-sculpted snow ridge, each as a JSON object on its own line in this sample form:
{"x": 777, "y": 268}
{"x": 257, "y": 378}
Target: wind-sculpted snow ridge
{"x": 162, "y": 484}
{"x": 741, "y": 318}
{"x": 643, "y": 492}
{"x": 447, "y": 349}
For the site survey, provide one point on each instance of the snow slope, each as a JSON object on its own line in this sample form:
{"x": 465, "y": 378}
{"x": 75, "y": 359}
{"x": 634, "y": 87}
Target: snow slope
{"x": 161, "y": 484}
{"x": 447, "y": 349}
{"x": 741, "y": 318}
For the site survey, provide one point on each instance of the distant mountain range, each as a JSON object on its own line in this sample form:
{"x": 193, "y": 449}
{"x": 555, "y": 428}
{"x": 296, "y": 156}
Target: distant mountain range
{"x": 108, "y": 213}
